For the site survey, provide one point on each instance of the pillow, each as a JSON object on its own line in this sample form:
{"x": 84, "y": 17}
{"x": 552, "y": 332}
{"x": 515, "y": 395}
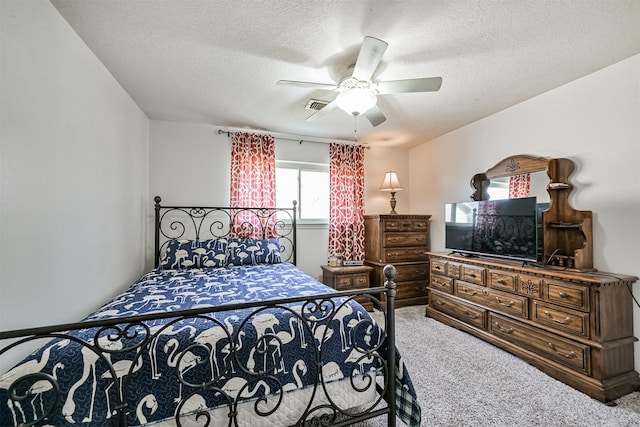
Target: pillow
{"x": 195, "y": 254}
{"x": 253, "y": 252}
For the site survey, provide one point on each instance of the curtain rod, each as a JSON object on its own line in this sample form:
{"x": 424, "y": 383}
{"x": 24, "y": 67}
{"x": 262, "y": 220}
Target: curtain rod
{"x": 289, "y": 137}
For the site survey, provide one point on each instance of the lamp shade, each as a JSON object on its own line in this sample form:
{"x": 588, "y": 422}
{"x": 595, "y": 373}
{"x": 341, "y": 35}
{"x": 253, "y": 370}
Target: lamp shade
{"x": 390, "y": 182}
{"x": 356, "y": 101}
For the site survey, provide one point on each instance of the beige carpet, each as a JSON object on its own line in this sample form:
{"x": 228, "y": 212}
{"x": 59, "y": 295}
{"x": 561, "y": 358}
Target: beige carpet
{"x": 463, "y": 381}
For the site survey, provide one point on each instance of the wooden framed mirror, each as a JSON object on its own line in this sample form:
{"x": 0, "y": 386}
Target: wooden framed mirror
{"x": 497, "y": 177}
{"x": 567, "y": 236}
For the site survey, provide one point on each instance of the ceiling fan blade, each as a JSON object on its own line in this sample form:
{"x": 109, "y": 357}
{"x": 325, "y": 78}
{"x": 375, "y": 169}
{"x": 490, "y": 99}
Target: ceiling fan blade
{"x": 429, "y": 84}
{"x": 375, "y": 115}
{"x": 369, "y": 58}
{"x": 312, "y": 85}
{"x": 324, "y": 111}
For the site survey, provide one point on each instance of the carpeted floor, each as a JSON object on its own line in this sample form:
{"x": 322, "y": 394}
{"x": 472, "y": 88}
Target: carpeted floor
{"x": 463, "y": 381}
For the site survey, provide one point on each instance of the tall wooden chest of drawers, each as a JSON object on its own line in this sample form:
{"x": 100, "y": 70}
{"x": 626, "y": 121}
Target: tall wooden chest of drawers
{"x": 575, "y": 326}
{"x": 401, "y": 240}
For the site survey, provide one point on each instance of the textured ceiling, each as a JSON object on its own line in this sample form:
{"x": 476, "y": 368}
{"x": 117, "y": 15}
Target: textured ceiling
{"x": 218, "y": 61}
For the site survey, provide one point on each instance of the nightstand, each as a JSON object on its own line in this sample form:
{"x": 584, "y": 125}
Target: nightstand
{"x": 348, "y": 278}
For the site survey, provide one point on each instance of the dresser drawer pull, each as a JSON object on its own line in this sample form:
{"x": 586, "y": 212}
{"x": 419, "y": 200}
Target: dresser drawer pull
{"x": 506, "y": 331}
{"x": 466, "y": 291}
{"x": 500, "y": 281}
{"x": 436, "y": 267}
{"x": 564, "y": 321}
{"x": 471, "y": 274}
{"x": 471, "y": 316}
{"x": 563, "y": 295}
{"x": 420, "y": 239}
{"x": 435, "y": 282}
{"x": 569, "y": 355}
{"x": 438, "y": 302}
{"x": 393, "y": 240}
{"x": 506, "y": 304}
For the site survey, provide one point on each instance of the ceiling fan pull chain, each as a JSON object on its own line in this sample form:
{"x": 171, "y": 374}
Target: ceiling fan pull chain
{"x": 355, "y": 127}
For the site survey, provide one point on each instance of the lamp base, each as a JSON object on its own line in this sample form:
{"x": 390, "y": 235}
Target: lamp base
{"x": 393, "y": 203}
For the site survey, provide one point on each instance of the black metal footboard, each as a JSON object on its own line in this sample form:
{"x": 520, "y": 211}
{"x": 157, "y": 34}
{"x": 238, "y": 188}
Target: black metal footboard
{"x": 233, "y": 388}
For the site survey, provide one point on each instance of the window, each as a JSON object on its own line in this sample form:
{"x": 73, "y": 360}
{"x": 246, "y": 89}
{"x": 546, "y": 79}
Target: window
{"x": 308, "y": 184}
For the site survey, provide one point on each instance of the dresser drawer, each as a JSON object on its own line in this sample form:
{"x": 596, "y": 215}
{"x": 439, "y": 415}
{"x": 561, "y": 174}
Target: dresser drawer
{"x": 468, "y": 313}
{"x": 515, "y": 305}
{"x": 502, "y": 280}
{"x": 438, "y": 266}
{"x": 411, "y": 290}
{"x": 562, "y": 318}
{"x": 530, "y": 286}
{"x": 412, "y": 272}
{"x": 405, "y": 254}
{"x": 454, "y": 270}
{"x": 397, "y": 225}
{"x": 473, "y": 274}
{"x": 420, "y": 225}
{"x": 405, "y": 239}
{"x": 442, "y": 283}
{"x": 561, "y": 350}
{"x": 574, "y": 296}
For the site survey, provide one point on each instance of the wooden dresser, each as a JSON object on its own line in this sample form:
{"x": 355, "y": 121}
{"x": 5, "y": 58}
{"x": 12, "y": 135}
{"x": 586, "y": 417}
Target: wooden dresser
{"x": 401, "y": 240}
{"x": 575, "y": 326}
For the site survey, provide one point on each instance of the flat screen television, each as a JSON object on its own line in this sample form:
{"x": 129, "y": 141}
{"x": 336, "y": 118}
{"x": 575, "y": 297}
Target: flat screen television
{"x": 502, "y": 228}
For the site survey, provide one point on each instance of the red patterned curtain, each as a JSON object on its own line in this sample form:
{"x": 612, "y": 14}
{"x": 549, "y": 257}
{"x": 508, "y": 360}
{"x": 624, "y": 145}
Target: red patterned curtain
{"x": 253, "y": 182}
{"x": 519, "y": 186}
{"x": 346, "y": 215}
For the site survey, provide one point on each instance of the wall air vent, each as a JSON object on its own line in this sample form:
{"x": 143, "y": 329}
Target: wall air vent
{"x": 316, "y": 104}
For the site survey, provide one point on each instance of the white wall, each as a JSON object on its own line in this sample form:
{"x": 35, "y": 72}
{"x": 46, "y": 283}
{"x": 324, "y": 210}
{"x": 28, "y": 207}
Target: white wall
{"x": 378, "y": 161}
{"x": 74, "y": 167}
{"x": 595, "y": 121}
{"x": 190, "y": 164}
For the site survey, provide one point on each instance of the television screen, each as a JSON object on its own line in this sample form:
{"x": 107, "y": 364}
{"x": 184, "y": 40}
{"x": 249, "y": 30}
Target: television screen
{"x": 504, "y": 228}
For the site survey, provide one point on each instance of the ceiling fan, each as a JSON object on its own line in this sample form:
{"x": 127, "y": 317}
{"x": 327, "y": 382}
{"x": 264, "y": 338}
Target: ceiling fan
{"x": 357, "y": 94}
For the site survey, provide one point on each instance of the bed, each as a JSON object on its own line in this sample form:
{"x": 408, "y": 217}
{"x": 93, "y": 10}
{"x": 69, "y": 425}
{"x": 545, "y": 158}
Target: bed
{"x": 225, "y": 330}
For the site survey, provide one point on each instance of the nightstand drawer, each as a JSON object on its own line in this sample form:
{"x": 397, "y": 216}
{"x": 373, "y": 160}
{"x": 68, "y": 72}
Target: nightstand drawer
{"x": 346, "y": 278}
{"x": 360, "y": 281}
{"x": 351, "y": 281}
{"x": 342, "y": 283}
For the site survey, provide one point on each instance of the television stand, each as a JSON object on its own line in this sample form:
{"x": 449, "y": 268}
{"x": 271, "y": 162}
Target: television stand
{"x": 575, "y": 326}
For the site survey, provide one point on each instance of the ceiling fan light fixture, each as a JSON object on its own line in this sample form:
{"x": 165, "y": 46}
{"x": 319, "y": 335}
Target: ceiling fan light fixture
{"x": 356, "y": 101}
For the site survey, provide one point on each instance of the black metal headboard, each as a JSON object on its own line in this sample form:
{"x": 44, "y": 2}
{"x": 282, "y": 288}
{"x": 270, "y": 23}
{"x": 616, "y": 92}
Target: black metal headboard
{"x": 200, "y": 223}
